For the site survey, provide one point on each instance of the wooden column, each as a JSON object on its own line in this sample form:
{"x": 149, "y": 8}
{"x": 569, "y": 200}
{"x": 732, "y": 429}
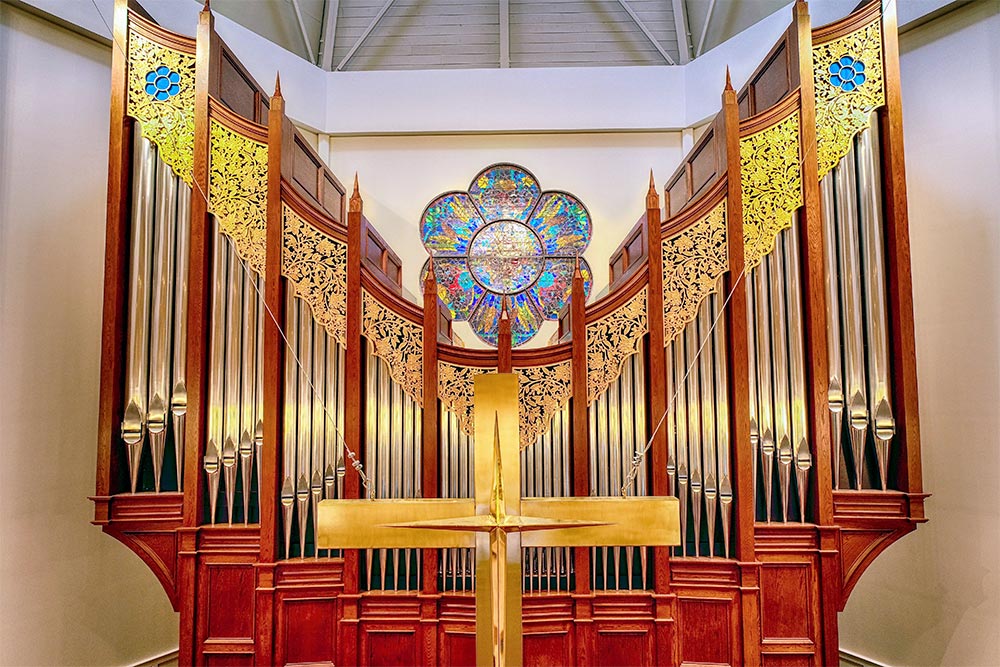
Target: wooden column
{"x": 274, "y": 364}
{"x": 815, "y": 331}
{"x": 739, "y": 388}
{"x": 354, "y": 384}
{"x": 428, "y": 605}
{"x": 113, "y": 336}
{"x": 897, "y": 235}
{"x": 199, "y": 324}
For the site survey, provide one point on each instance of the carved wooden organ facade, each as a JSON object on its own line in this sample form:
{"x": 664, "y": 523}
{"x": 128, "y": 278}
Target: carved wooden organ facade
{"x": 754, "y": 356}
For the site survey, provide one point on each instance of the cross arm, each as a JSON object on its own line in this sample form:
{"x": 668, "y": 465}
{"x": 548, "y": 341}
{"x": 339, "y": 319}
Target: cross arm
{"x": 631, "y": 521}
{"x": 374, "y": 524}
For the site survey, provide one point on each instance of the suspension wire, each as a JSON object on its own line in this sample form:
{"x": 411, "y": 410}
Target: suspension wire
{"x": 355, "y": 462}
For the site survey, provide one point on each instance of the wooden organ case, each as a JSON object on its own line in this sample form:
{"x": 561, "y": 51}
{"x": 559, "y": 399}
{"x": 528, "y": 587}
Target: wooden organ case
{"x": 258, "y": 355}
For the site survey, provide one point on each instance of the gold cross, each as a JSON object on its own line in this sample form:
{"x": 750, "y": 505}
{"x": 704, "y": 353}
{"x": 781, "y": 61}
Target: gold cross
{"x": 498, "y": 524}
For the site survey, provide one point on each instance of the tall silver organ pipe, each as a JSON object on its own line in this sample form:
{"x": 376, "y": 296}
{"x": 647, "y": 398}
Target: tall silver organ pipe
{"x": 393, "y": 436}
{"x": 545, "y": 472}
{"x": 699, "y": 410}
{"x": 312, "y": 463}
{"x": 617, "y": 431}
{"x": 456, "y": 567}
{"x": 234, "y": 403}
{"x": 777, "y": 380}
{"x": 857, "y": 311}
{"x": 155, "y": 394}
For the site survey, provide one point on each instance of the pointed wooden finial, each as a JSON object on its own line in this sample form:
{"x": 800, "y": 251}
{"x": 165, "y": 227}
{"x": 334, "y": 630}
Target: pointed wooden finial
{"x": 277, "y": 84}
{"x": 652, "y": 198}
{"x": 503, "y": 309}
{"x": 208, "y": 6}
{"x": 729, "y": 80}
{"x": 356, "y": 196}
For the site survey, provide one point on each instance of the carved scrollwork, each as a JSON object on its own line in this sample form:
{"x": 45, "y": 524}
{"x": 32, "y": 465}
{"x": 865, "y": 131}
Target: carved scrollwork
{"x": 237, "y": 192}
{"x": 844, "y": 104}
{"x": 316, "y": 265}
{"x": 542, "y": 391}
{"x": 693, "y": 260}
{"x": 398, "y": 342}
{"x": 455, "y": 391}
{"x": 613, "y": 339}
{"x": 771, "y": 185}
{"x": 165, "y": 114}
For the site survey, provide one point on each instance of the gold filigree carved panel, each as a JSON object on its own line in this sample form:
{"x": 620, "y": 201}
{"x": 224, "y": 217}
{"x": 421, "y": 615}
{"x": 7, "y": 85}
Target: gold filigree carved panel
{"x": 455, "y": 390}
{"x": 161, "y": 99}
{"x": 237, "y": 192}
{"x": 398, "y": 342}
{"x": 543, "y": 391}
{"x": 693, "y": 260}
{"x": 850, "y": 83}
{"x": 771, "y": 185}
{"x": 316, "y": 266}
{"x": 613, "y": 339}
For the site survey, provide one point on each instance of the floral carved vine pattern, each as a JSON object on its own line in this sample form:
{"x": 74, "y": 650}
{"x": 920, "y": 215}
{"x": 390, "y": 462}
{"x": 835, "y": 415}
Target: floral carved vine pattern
{"x": 841, "y": 114}
{"x": 237, "y": 192}
{"x": 316, "y": 265}
{"x": 613, "y": 339}
{"x": 771, "y": 185}
{"x": 455, "y": 389}
{"x": 542, "y": 391}
{"x": 398, "y": 342}
{"x": 693, "y": 260}
{"x": 168, "y": 123}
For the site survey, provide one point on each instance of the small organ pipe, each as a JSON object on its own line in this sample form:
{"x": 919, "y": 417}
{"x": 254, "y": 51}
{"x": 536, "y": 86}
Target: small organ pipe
{"x": 765, "y": 403}
{"x": 707, "y": 381}
{"x": 217, "y": 355}
{"x": 290, "y": 428}
{"x": 779, "y": 347}
{"x": 835, "y": 392}
{"x": 722, "y": 418}
{"x": 694, "y": 432}
{"x": 234, "y": 295}
{"x": 178, "y": 397}
{"x": 680, "y": 408}
{"x": 797, "y": 371}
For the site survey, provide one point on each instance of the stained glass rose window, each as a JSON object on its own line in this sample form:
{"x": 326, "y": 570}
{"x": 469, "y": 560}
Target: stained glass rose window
{"x": 506, "y": 239}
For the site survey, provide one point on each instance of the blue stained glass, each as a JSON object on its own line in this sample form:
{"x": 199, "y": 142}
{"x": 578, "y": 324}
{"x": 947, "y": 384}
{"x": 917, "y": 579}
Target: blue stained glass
{"x": 505, "y": 192}
{"x": 162, "y": 83}
{"x": 562, "y": 223}
{"x": 506, "y": 238}
{"x": 847, "y": 73}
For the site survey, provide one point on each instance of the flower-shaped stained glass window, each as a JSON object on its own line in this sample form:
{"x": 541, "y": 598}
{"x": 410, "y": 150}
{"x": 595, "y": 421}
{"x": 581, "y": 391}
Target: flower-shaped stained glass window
{"x": 505, "y": 239}
{"x": 162, "y": 83}
{"x": 847, "y": 73}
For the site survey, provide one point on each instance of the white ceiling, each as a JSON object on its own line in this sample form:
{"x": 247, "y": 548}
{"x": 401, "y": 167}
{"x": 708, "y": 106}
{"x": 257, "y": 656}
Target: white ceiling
{"x": 360, "y": 35}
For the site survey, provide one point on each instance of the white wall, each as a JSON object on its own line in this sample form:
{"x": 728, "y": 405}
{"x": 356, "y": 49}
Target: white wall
{"x": 609, "y": 173}
{"x": 934, "y": 597}
{"x": 68, "y": 593}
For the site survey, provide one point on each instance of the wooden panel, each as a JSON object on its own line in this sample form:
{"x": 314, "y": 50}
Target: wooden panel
{"x": 787, "y": 595}
{"x": 235, "y": 91}
{"x": 744, "y": 105}
{"x": 333, "y": 199}
{"x": 706, "y": 628}
{"x": 230, "y": 601}
{"x": 229, "y": 659}
{"x": 305, "y": 169}
{"x": 678, "y": 195}
{"x": 388, "y": 646}
{"x": 458, "y": 648}
{"x": 309, "y": 629}
{"x": 615, "y": 647}
{"x": 788, "y": 660}
{"x": 703, "y": 163}
{"x": 549, "y": 649}
{"x": 771, "y": 84}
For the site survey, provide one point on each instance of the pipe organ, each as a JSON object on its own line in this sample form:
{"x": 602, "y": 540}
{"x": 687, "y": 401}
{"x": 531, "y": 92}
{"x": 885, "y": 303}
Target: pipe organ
{"x": 752, "y": 356}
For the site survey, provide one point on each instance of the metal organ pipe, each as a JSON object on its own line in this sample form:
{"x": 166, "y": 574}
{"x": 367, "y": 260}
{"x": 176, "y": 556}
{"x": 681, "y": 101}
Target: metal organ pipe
{"x": 290, "y": 429}
{"x": 178, "y": 397}
{"x": 834, "y": 346}
{"x": 876, "y": 318}
{"x": 765, "y": 397}
{"x": 779, "y": 328}
{"x": 797, "y": 371}
{"x": 137, "y": 359}
{"x": 722, "y": 416}
{"x": 216, "y": 368}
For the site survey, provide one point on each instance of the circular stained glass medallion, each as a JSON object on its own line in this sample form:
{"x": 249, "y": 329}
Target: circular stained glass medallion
{"x": 505, "y": 257}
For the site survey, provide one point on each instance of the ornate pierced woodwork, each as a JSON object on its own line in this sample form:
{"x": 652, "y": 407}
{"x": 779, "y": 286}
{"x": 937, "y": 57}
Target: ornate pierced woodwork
{"x": 543, "y": 391}
{"x": 611, "y": 340}
{"x": 398, "y": 342}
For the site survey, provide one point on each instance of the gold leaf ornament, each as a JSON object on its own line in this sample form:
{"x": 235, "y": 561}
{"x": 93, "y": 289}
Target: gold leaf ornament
{"x": 613, "y": 339}
{"x": 542, "y": 392}
{"x": 398, "y": 342}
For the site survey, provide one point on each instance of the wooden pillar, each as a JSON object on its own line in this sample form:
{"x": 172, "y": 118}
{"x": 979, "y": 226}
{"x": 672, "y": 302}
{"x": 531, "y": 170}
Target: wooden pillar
{"x": 430, "y": 457}
{"x": 811, "y": 241}
{"x": 354, "y": 383}
{"x": 897, "y": 235}
{"x": 739, "y": 387}
{"x": 199, "y": 324}
{"x": 274, "y": 364}
{"x": 113, "y": 336}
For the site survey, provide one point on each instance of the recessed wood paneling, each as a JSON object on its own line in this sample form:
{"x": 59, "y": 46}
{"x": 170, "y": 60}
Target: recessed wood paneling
{"x": 786, "y": 601}
{"x": 229, "y": 659}
{"x": 548, "y": 649}
{"x": 305, "y": 169}
{"x": 624, "y": 648}
{"x": 309, "y": 630}
{"x": 771, "y": 84}
{"x": 678, "y": 194}
{"x": 458, "y": 648}
{"x": 704, "y": 163}
{"x": 230, "y": 601}
{"x": 788, "y": 660}
{"x": 706, "y": 627}
{"x": 235, "y": 91}
{"x": 388, "y": 647}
